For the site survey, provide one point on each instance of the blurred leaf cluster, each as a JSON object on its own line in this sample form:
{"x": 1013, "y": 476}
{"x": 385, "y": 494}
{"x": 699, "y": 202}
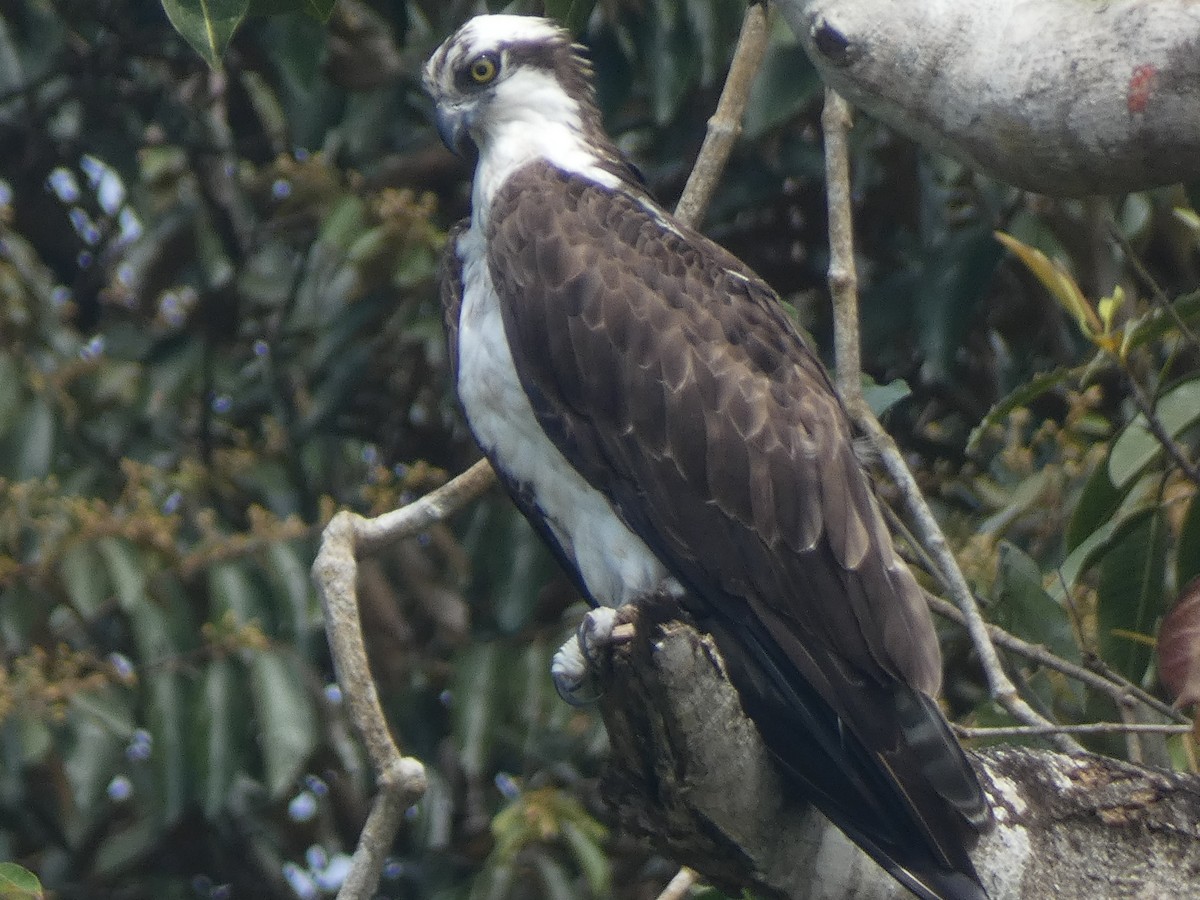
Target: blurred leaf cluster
{"x": 219, "y": 231}
{"x": 1080, "y": 492}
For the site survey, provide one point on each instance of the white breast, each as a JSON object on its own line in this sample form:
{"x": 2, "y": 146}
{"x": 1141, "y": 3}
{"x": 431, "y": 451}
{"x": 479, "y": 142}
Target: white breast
{"x": 614, "y": 563}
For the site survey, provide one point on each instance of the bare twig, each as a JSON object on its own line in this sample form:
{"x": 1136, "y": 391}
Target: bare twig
{"x": 401, "y": 779}
{"x": 1156, "y": 292}
{"x": 1089, "y": 728}
{"x": 836, "y": 121}
{"x": 218, "y": 172}
{"x": 1146, "y": 406}
{"x": 1121, "y": 691}
{"x": 726, "y": 123}
{"x": 1098, "y": 677}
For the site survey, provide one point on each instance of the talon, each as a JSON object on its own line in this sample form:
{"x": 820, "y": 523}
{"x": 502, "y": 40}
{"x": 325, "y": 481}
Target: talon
{"x": 575, "y": 662}
{"x": 596, "y": 633}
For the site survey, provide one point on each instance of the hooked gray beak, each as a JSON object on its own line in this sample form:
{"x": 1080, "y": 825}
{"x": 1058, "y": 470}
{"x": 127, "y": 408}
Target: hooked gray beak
{"x": 453, "y": 125}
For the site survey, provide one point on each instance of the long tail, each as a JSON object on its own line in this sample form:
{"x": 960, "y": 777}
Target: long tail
{"x": 884, "y": 768}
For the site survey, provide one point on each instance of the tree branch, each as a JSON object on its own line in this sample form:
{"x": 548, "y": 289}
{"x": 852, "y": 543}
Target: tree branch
{"x": 1062, "y": 97}
{"x": 689, "y": 771}
{"x": 400, "y": 779}
{"x": 725, "y": 125}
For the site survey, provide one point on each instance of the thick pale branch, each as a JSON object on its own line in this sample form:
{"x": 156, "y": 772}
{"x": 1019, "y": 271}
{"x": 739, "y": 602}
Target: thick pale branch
{"x": 434, "y": 507}
{"x": 689, "y": 771}
{"x": 1062, "y": 97}
{"x": 401, "y": 780}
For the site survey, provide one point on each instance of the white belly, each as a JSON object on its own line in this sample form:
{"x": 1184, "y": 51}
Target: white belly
{"x": 614, "y": 563}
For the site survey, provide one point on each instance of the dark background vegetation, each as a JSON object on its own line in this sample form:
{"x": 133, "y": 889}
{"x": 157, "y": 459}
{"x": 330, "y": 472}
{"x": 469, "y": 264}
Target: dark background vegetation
{"x": 218, "y": 325}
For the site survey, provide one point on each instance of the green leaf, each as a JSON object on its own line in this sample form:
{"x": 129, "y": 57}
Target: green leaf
{"x": 125, "y": 572}
{"x": 123, "y": 849}
{"x": 169, "y": 756}
{"x": 17, "y": 883}
{"x": 92, "y": 754}
{"x": 1058, "y": 281}
{"x": 34, "y": 434}
{"x": 1095, "y": 544}
{"x": 1025, "y": 496}
{"x": 1023, "y": 607}
{"x": 1019, "y": 398}
{"x": 1097, "y": 504}
{"x": 509, "y": 563}
{"x": 231, "y": 590}
{"x": 556, "y": 883}
{"x": 289, "y": 574}
{"x": 1160, "y": 322}
{"x": 319, "y": 9}
{"x": 882, "y": 397}
{"x": 175, "y": 370}
{"x": 673, "y": 61}
{"x": 477, "y": 679}
{"x": 10, "y": 391}
{"x": 276, "y": 7}
{"x": 1131, "y": 595}
{"x": 287, "y": 724}
{"x": 1136, "y": 447}
{"x": 85, "y": 578}
{"x": 219, "y": 711}
{"x": 953, "y": 282}
{"x": 1187, "y": 551}
{"x": 591, "y": 858}
{"x": 785, "y": 85}
{"x": 573, "y": 14}
{"x": 208, "y": 25}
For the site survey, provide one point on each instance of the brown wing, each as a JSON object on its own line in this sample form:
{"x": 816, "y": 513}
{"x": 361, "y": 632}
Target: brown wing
{"x": 670, "y": 376}
{"x": 687, "y": 396}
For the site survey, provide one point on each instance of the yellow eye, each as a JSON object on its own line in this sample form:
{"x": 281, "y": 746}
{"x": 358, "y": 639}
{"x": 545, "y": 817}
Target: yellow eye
{"x": 483, "y": 70}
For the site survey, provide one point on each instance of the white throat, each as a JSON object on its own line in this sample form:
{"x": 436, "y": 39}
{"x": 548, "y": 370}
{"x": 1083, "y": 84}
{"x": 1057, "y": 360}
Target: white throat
{"x": 530, "y": 118}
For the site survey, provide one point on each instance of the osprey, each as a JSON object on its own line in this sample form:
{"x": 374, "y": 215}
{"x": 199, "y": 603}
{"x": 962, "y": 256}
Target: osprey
{"x": 650, "y": 407}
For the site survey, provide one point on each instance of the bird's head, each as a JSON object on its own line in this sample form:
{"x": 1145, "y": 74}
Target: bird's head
{"x": 510, "y": 74}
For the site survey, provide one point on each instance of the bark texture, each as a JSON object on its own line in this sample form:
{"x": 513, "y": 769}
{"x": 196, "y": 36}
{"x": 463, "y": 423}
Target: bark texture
{"x": 689, "y": 771}
{"x": 1062, "y": 97}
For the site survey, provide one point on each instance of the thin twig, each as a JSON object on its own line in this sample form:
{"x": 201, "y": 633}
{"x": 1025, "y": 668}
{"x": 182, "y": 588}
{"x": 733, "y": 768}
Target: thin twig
{"x": 1120, "y": 689}
{"x": 726, "y": 123}
{"x": 1159, "y": 295}
{"x": 1146, "y": 406}
{"x": 836, "y": 121}
{"x": 1095, "y": 664}
{"x": 1090, "y": 728}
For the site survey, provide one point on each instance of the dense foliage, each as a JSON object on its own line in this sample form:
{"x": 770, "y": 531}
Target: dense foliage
{"x": 218, "y": 324}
